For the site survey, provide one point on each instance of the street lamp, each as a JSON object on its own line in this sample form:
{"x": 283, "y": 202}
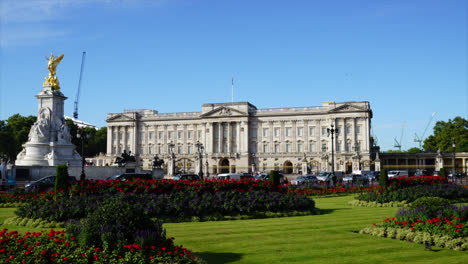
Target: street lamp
{"x": 200, "y": 154}
{"x": 453, "y": 163}
{"x": 357, "y": 148}
{"x": 82, "y": 135}
{"x": 332, "y": 132}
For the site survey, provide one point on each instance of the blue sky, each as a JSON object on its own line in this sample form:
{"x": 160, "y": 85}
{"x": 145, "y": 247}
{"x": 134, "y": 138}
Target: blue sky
{"x": 407, "y": 58}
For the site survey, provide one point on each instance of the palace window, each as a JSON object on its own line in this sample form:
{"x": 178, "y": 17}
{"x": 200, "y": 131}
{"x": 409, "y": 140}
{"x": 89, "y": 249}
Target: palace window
{"x": 338, "y": 146}
{"x": 348, "y": 146}
{"x": 189, "y": 134}
{"x": 276, "y": 148}
{"x": 311, "y": 131}
{"x": 150, "y": 135}
{"x": 179, "y": 134}
{"x": 265, "y": 148}
{"x": 150, "y": 149}
{"x": 288, "y": 147}
{"x": 324, "y": 131}
{"x": 265, "y": 132}
{"x": 288, "y": 131}
{"x": 358, "y": 129}
{"x": 179, "y": 149}
{"x": 348, "y": 129}
{"x": 189, "y": 149}
{"x": 171, "y": 134}
{"x": 160, "y": 135}
{"x": 312, "y": 147}
{"x": 299, "y": 131}
{"x": 277, "y": 130}
{"x": 324, "y": 147}
{"x": 299, "y": 147}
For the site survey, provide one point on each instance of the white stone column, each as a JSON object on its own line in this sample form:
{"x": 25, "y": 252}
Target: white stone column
{"x": 305, "y": 135}
{"x": 282, "y": 137}
{"x": 238, "y": 136}
{"x": 124, "y": 139}
{"x": 109, "y": 140}
{"x": 229, "y": 137}
{"x": 294, "y": 136}
{"x": 134, "y": 141}
{"x": 271, "y": 144}
{"x": 220, "y": 137}
{"x": 245, "y": 138}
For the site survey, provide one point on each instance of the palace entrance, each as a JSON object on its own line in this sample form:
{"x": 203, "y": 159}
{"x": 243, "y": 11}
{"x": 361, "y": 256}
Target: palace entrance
{"x": 287, "y": 167}
{"x": 223, "y": 166}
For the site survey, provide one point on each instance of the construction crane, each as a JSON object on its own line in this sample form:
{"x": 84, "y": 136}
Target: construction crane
{"x": 398, "y": 143}
{"x": 77, "y": 98}
{"x": 420, "y": 139}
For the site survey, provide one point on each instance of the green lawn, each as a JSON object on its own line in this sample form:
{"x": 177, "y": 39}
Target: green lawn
{"x": 326, "y": 238}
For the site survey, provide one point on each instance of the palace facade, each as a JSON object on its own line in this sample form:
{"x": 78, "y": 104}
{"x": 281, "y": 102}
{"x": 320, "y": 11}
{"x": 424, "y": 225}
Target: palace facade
{"x": 238, "y": 137}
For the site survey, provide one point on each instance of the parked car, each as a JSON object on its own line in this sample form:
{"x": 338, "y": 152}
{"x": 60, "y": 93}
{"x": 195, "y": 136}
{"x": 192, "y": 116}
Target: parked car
{"x": 131, "y": 176}
{"x": 261, "y": 176}
{"x": 246, "y": 175}
{"x": 354, "y": 178}
{"x": 311, "y": 178}
{"x": 228, "y": 176}
{"x": 44, "y": 184}
{"x": 190, "y": 177}
{"x": 299, "y": 180}
{"x": 373, "y": 176}
{"x": 398, "y": 173}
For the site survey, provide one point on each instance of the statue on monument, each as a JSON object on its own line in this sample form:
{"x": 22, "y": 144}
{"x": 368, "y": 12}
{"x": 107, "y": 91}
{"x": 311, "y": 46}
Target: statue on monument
{"x": 52, "y": 66}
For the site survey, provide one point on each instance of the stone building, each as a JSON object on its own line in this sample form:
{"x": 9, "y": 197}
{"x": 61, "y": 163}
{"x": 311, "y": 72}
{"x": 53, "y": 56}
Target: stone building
{"x": 238, "y": 137}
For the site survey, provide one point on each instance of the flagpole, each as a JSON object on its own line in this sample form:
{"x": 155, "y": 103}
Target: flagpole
{"x": 232, "y": 89}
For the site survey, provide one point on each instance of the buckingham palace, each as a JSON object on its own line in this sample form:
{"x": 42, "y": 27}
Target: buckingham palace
{"x": 238, "y": 137}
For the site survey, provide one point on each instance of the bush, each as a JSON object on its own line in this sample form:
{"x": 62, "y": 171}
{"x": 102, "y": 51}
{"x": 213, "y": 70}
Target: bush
{"x": 383, "y": 178}
{"x": 442, "y": 172}
{"x": 117, "y": 222}
{"x": 431, "y": 204}
{"x": 274, "y": 177}
{"x": 61, "y": 180}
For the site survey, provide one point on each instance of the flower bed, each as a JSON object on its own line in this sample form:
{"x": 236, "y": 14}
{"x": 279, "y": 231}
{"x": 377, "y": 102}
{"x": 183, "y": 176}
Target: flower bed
{"x": 403, "y": 182}
{"x": 409, "y": 194}
{"x": 176, "y": 206}
{"x": 56, "y": 247}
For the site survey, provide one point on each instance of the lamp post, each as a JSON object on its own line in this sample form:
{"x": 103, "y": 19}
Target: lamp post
{"x": 200, "y": 154}
{"x": 332, "y": 132}
{"x": 82, "y": 135}
{"x": 357, "y": 149}
{"x": 453, "y": 163}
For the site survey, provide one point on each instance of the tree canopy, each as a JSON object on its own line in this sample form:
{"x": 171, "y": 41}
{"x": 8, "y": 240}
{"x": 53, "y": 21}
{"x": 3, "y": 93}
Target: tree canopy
{"x": 444, "y": 135}
{"x": 13, "y": 134}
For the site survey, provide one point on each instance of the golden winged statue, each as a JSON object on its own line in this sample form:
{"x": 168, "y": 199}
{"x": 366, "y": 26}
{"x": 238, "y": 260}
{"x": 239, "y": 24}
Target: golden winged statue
{"x": 52, "y": 66}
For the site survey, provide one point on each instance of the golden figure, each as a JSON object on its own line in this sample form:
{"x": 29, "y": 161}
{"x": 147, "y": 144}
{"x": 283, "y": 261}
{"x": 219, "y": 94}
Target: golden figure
{"x": 52, "y": 66}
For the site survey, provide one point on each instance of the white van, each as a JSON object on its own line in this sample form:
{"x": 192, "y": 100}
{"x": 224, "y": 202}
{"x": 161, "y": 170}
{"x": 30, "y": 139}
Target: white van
{"x": 228, "y": 176}
{"x": 398, "y": 173}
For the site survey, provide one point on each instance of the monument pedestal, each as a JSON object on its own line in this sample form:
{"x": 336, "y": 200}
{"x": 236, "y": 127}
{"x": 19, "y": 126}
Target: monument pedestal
{"x": 49, "y": 142}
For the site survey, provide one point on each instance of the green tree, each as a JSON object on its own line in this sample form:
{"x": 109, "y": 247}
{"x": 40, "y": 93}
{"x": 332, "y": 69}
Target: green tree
{"x": 445, "y": 133}
{"x": 95, "y": 141}
{"x": 14, "y": 133}
{"x": 414, "y": 150}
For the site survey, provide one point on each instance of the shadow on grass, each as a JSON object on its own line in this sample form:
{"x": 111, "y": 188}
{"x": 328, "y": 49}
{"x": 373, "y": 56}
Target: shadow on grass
{"x": 215, "y": 258}
{"x": 329, "y": 211}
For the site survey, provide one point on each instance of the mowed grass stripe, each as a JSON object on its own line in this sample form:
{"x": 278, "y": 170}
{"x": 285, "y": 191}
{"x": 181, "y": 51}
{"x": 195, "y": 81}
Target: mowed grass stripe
{"x": 325, "y": 238}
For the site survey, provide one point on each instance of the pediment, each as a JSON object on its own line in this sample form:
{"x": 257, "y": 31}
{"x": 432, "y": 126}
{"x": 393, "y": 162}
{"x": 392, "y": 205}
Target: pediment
{"x": 119, "y": 117}
{"x": 346, "y": 108}
{"x": 223, "y": 111}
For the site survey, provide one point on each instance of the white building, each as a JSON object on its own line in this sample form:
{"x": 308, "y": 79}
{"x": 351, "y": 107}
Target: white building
{"x": 238, "y": 137}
